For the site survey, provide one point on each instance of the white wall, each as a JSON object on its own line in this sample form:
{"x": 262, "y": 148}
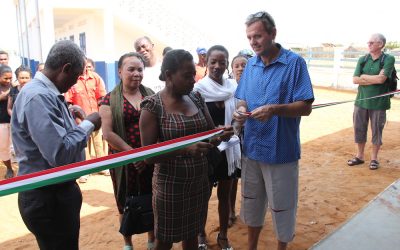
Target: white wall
{"x": 91, "y": 22}
{"x": 9, "y": 33}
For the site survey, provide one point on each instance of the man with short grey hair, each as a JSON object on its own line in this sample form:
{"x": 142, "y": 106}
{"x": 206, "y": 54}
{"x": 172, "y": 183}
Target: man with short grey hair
{"x": 274, "y": 92}
{"x": 372, "y": 74}
{"x": 46, "y": 136}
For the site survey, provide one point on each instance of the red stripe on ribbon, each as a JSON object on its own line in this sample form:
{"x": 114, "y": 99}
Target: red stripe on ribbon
{"x": 109, "y": 157}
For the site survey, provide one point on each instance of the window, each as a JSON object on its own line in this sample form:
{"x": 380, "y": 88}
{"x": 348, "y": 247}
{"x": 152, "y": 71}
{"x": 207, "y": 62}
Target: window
{"x": 72, "y": 38}
{"x": 82, "y": 41}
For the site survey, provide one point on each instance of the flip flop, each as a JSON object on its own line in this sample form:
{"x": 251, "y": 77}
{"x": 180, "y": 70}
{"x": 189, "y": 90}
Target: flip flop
{"x": 219, "y": 238}
{"x": 202, "y": 245}
{"x": 355, "y": 161}
{"x": 374, "y": 165}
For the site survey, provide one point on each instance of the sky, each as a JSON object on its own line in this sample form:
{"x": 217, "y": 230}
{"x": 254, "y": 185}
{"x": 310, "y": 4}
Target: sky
{"x": 9, "y": 36}
{"x": 307, "y": 22}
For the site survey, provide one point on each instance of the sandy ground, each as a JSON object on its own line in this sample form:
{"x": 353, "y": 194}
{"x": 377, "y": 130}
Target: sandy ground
{"x": 330, "y": 191}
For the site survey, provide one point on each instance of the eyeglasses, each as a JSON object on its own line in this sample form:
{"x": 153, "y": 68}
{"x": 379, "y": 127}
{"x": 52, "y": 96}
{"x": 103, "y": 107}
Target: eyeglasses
{"x": 247, "y": 53}
{"x": 370, "y": 43}
{"x": 261, "y": 15}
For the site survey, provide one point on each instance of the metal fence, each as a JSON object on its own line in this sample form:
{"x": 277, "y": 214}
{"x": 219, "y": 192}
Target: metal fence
{"x": 335, "y": 68}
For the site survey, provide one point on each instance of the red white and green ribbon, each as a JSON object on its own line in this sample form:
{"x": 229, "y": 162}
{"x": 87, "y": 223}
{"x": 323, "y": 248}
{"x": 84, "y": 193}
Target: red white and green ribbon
{"x": 75, "y": 170}
{"x": 322, "y": 105}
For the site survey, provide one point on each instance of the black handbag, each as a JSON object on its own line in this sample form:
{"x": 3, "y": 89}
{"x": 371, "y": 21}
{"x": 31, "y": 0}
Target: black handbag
{"x": 138, "y": 214}
{"x": 214, "y": 158}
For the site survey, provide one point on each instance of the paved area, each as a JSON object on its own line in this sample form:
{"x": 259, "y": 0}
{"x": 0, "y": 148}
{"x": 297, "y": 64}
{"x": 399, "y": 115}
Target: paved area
{"x": 376, "y": 226}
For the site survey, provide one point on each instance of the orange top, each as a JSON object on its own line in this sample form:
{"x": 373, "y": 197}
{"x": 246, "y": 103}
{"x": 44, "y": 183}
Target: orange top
{"x": 200, "y": 72}
{"x": 86, "y": 92}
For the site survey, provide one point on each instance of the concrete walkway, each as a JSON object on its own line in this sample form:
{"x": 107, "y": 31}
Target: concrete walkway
{"x": 375, "y": 227}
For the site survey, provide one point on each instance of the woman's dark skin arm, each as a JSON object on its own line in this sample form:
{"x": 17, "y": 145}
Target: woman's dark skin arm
{"x": 149, "y": 126}
{"x": 9, "y": 105}
{"x": 114, "y": 140}
{"x": 110, "y": 136}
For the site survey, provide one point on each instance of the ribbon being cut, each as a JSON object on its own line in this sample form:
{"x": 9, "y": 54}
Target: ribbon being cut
{"x": 75, "y": 170}
{"x": 322, "y": 105}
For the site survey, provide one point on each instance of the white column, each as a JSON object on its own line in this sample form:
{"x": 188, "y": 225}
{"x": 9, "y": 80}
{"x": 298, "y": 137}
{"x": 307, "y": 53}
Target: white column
{"x": 47, "y": 34}
{"x": 109, "y": 43}
{"x": 109, "y": 47}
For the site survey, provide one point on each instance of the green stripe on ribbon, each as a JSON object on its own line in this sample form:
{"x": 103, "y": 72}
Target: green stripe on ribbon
{"x": 32, "y": 183}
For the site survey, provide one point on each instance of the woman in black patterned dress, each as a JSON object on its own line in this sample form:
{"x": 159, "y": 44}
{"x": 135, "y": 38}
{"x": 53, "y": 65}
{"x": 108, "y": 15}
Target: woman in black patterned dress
{"x": 120, "y": 112}
{"x": 180, "y": 180}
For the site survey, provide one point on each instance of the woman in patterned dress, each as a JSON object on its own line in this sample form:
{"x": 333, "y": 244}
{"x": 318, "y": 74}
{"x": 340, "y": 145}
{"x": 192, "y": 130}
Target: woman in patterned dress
{"x": 180, "y": 180}
{"x": 120, "y": 112}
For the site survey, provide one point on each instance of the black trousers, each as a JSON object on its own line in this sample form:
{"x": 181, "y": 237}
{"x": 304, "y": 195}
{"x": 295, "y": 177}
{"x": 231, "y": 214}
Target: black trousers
{"x": 52, "y": 213}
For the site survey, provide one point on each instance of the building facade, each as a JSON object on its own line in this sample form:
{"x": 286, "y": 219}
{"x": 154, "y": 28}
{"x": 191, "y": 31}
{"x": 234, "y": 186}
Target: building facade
{"x": 104, "y": 30}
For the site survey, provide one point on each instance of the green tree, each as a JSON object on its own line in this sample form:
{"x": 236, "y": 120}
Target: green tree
{"x": 392, "y": 45}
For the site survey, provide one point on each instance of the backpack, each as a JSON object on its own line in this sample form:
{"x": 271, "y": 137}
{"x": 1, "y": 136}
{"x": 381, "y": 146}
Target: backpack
{"x": 391, "y": 82}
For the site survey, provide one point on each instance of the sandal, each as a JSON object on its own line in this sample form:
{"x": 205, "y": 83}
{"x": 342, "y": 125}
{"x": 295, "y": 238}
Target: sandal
{"x": 202, "y": 243}
{"x": 229, "y": 247}
{"x": 355, "y": 161}
{"x": 202, "y": 246}
{"x": 374, "y": 165}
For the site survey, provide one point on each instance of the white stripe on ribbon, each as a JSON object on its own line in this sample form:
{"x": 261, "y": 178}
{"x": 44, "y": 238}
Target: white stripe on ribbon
{"x": 93, "y": 166}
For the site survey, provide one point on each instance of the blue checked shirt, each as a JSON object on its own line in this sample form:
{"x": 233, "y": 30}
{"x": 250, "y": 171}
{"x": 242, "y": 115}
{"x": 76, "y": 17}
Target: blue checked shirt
{"x": 285, "y": 80}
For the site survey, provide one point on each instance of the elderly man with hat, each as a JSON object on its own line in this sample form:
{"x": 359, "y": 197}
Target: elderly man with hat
{"x": 201, "y": 66}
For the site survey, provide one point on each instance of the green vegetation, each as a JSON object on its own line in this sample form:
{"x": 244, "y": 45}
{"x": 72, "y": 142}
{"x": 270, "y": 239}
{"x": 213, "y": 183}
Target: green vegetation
{"x": 392, "y": 45}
